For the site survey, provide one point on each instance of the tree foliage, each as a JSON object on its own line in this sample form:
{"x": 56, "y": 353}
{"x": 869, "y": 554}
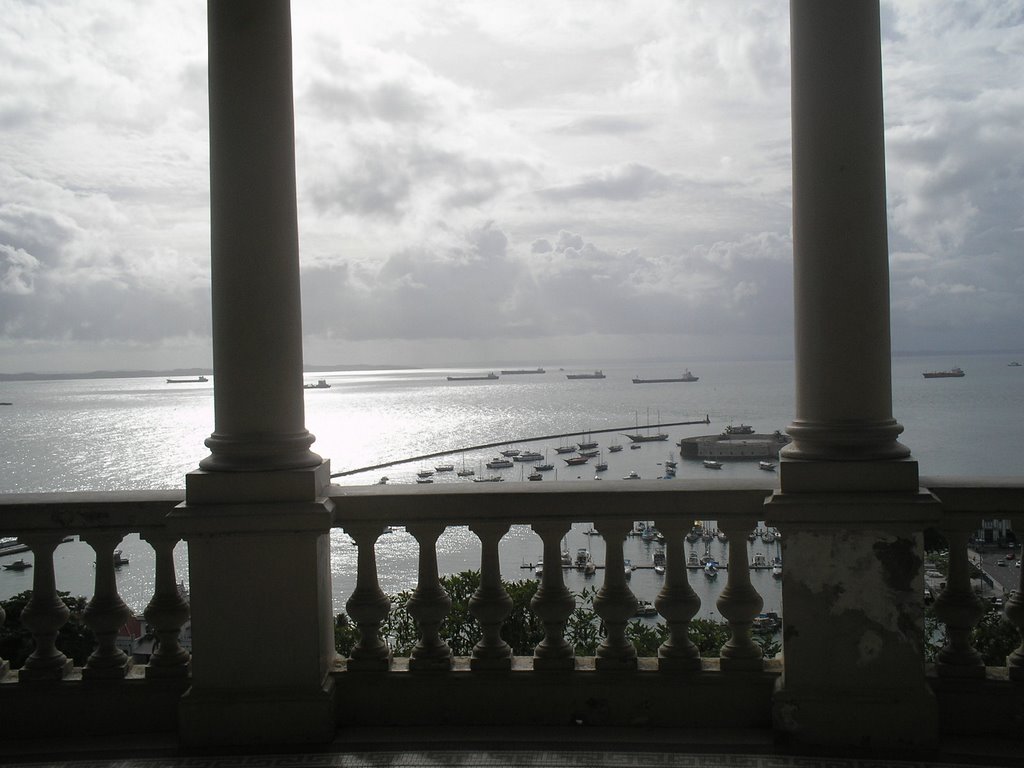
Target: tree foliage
{"x": 75, "y": 640}
{"x": 523, "y": 630}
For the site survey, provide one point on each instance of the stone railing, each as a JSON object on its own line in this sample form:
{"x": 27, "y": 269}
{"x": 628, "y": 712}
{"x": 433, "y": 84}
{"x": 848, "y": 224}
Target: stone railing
{"x": 552, "y": 685}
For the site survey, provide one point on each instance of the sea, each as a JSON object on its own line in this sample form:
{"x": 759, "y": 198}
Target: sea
{"x": 145, "y": 433}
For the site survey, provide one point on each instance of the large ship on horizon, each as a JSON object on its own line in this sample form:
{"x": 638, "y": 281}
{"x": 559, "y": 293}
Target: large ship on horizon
{"x": 594, "y": 375}
{"x": 687, "y": 376}
{"x": 517, "y": 371}
{"x": 489, "y": 377}
{"x": 952, "y": 373}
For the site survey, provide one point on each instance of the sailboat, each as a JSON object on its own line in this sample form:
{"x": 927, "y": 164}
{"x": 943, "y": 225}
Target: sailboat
{"x": 646, "y": 437}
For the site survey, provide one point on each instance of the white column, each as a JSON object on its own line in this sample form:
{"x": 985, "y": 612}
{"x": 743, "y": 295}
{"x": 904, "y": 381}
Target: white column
{"x": 257, "y": 327}
{"x": 256, "y": 518}
{"x": 840, "y": 248}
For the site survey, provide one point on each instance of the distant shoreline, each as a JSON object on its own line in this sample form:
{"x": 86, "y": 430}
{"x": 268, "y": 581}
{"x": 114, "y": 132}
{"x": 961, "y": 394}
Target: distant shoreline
{"x": 177, "y": 372}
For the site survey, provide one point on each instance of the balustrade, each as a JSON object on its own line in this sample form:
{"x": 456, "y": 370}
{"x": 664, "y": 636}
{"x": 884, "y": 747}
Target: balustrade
{"x": 166, "y": 612}
{"x": 960, "y": 609}
{"x": 44, "y": 614}
{"x": 553, "y": 602}
{"x": 429, "y": 604}
{"x": 677, "y": 603}
{"x": 739, "y": 602}
{"x": 490, "y": 604}
{"x": 106, "y": 612}
{"x": 368, "y": 606}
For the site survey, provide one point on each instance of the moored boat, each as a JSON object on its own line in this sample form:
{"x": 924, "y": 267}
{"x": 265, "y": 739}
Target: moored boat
{"x": 499, "y": 463}
{"x": 17, "y": 565}
{"x": 767, "y": 466}
{"x": 712, "y": 464}
{"x": 574, "y": 461}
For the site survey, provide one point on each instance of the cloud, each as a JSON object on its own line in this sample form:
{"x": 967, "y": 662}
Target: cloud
{"x": 630, "y": 182}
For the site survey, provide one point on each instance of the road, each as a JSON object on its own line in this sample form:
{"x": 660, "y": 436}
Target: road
{"x": 1005, "y": 573}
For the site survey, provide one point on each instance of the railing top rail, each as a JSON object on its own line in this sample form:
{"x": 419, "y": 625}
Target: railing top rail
{"x": 982, "y": 496}
{"x": 458, "y": 503}
{"x": 76, "y": 511}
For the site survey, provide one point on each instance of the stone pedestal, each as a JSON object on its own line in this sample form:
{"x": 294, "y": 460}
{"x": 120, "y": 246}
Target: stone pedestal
{"x": 853, "y": 613}
{"x": 262, "y": 619}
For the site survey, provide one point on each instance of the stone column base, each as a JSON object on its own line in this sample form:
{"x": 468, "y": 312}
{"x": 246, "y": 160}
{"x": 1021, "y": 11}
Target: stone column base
{"x": 253, "y": 716}
{"x": 868, "y": 719}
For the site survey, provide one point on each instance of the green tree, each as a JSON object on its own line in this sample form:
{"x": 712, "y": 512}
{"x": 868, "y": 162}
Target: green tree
{"x": 75, "y": 639}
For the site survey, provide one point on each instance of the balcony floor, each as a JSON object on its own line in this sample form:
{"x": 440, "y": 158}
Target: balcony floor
{"x": 492, "y": 748}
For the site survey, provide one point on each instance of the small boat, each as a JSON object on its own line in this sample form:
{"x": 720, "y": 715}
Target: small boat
{"x": 594, "y": 375}
{"x": 767, "y": 466}
{"x": 444, "y": 468}
{"x": 632, "y": 476}
{"x": 383, "y": 480}
{"x": 670, "y": 472}
{"x": 119, "y": 558}
{"x": 687, "y": 376}
{"x": 489, "y": 479}
{"x": 565, "y": 449}
{"x": 574, "y": 461}
{"x": 583, "y": 558}
{"x": 671, "y": 463}
{"x": 712, "y": 464}
{"x": 614, "y": 448}
{"x": 644, "y": 608}
{"x": 543, "y": 467}
{"x": 465, "y": 472}
{"x": 17, "y": 565}
{"x": 425, "y": 473}
{"x": 777, "y": 568}
{"x": 722, "y": 536}
{"x": 510, "y": 453}
{"x": 658, "y": 559}
{"x": 424, "y": 480}
{"x": 601, "y": 466}
{"x": 1013, "y": 364}
{"x": 692, "y": 561}
{"x": 538, "y": 569}
{"x": 711, "y": 569}
{"x": 742, "y": 429}
{"x": 635, "y": 447}
{"x": 952, "y": 373}
{"x": 586, "y": 445}
{"x": 534, "y": 476}
{"x": 488, "y": 377}
{"x": 196, "y": 380}
{"x": 529, "y": 456}
{"x": 766, "y": 623}
{"x": 628, "y": 567}
{"x": 320, "y": 384}
{"x": 498, "y": 463}
{"x": 590, "y": 452}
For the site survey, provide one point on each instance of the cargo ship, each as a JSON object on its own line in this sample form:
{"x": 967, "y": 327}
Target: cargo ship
{"x": 488, "y": 377}
{"x": 952, "y": 373}
{"x": 519, "y": 371}
{"x": 594, "y": 375}
{"x": 687, "y": 376}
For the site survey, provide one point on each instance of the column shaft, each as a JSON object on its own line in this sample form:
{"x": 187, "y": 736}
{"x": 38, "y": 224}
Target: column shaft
{"x": 840, "y": 246}
{"x": 257, "y": 328}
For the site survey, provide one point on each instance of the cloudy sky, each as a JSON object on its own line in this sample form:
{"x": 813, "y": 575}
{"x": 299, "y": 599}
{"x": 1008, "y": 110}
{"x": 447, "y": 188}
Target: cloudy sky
{"x": 495, "y": 181}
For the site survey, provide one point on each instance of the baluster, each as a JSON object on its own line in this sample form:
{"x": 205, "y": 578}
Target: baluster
{"x": 106, "y": 612}
{"x": 44, "y": 614}
{"x": 615, "y": 603}
{"x": 739, "y": 602}
{"x": 429, "y": 604}
{"x": 959, "y": 609}
{"x": 5, "y": 666}
{"x": 368, "y": 606}
{"x": 553, "y": 603}
{"x": 1015, "y": 615}
{"x": 166, "y": 612}
{"x": 490, "y": 604}
{"x": 677, "y": 603}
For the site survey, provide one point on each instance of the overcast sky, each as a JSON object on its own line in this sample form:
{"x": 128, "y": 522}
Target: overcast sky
{"x": 496, "y": 181}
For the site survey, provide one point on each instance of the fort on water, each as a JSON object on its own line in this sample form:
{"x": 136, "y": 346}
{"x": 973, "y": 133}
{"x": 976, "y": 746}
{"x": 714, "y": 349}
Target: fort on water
{"x": 734, "y": 442}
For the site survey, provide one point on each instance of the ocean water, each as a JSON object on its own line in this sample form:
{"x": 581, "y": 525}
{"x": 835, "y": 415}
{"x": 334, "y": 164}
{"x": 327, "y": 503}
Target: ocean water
{"x": 142, "y": 433}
